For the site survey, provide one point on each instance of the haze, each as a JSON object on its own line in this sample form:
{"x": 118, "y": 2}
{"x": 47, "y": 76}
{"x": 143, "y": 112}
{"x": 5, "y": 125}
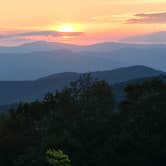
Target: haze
{"x": 91, "y": 21}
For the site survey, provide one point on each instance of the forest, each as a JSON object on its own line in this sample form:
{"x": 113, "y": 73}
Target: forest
{"x": 85, "y": 122}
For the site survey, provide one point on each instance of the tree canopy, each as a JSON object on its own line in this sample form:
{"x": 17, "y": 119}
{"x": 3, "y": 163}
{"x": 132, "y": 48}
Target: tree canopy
{"x": 81, "y": 121}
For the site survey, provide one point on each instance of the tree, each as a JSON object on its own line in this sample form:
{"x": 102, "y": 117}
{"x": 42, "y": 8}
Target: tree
{"x": 57, "y": 158}
{"x": 144, "y": 133}
{"x": 69, "y": 119}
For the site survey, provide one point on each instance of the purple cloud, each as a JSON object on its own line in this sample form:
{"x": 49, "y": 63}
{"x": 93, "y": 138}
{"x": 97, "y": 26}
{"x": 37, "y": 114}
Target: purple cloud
{"x": 41, "y": 33}
{"x": 148, "y": 18}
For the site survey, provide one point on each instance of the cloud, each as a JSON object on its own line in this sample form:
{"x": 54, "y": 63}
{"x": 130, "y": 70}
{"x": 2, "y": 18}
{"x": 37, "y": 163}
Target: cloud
{"x": 12, "y": 39}
{"x": 41, "y": 33}
{"x": 148, "y": 18}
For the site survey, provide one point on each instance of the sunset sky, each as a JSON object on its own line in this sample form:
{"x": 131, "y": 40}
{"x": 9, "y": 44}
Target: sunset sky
{"x": 78, "y": 21}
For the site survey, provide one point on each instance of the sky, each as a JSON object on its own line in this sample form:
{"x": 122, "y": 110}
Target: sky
{"x": 79, "y": 21}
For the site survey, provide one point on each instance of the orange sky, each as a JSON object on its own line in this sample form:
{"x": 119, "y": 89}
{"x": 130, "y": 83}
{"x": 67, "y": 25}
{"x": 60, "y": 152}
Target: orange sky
{"x": 98, "y": 20}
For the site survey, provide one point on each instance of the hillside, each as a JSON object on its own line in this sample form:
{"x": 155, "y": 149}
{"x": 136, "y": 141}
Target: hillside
{"x": 33, "y": 65}
{"x": 16, "y": 91}
{"x": 38, "y": 59}
{"x": 52, "y": 46}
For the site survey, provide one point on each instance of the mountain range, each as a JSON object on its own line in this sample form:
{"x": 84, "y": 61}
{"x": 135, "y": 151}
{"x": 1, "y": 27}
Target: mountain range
{"x": 39, "y": 59}
{"x": 25, "y": 91}
{"x": 153, "y": 38}
{"x": 45, "y": 46}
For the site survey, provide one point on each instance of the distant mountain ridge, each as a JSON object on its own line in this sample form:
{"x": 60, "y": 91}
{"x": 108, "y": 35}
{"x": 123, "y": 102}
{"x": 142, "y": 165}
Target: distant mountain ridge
{"x": 34, "y": 60}
{"x": 30, "y": 66}
{"x": 17, "y": 91}
{"x": 52, "y": 46}
{"x": 152, "y": 38}
{"x": 111, "y": 76}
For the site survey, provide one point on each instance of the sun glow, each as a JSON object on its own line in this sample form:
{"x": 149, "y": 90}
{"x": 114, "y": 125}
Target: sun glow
{"x": 66, "y": 28}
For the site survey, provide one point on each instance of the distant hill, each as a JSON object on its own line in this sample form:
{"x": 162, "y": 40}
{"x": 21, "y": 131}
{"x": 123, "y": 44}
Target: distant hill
{"x": 16, "y": 91}
{"x": 38, "y": 59}
{"x": 152, "y": 56}
{"x": 152, "y": 38}
{"x": 119, "y": 87}
{"x": 112, "y": 76}
{"x": 36, "y": 47}
{"x": 30, "y": 66}
{"x": 52, "y": 46}
{"x": 45, "y": 46}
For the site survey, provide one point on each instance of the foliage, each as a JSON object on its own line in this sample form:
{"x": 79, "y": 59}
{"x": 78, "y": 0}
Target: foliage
{"x": 81, "y": 121}
{"x": 57, "y": 158}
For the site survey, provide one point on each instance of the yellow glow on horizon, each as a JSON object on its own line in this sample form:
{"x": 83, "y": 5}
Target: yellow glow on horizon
{"x": 66, "y": 28}
{"x": 97, "y": 20}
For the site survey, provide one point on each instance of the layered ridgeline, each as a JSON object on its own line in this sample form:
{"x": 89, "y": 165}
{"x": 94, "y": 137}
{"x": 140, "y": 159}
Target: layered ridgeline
{"x": 34, "y": 60}
{"x": 24, "y": 91}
